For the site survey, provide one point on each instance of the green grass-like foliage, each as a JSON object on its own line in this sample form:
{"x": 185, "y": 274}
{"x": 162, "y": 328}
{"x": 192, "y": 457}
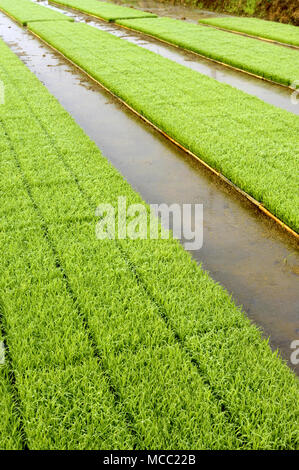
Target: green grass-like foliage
{"x": 252, "y": 143}
{"x": 266, "y": 60}
{"x": 105, "y": 10}
{"x": 103, "y": 335}
{"x": 24, "y": 11}
{"x": 10, "y": 433}
{"x": 280, "y": 32}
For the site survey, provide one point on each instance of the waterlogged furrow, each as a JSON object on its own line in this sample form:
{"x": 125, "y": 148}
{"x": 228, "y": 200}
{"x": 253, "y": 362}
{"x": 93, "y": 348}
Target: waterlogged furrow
{"x": 278, "y": 64}
{"x": 167, "y": 399}
{"x": 252, "y": 143}
{"x": 25, "y": 10}
{"x": 104, "y": 10}
{"x": 280, "y": 32}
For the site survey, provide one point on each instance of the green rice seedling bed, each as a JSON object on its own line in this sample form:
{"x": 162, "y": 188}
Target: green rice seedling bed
{"x": 284, "y": 33}
{"x": 64, "y": 398}
{"x": 266, "y": 60}
{"x": 251, "y": 142}
{"x": 153, "y": 376}
{"x": 261, "y": 59}
{"x": 110, "y": 350}
{"x": 168, "y": 401}
{"x": 106, "y": 11}
{"x": 24, "y": 11}
{"x": 10, "y": 432}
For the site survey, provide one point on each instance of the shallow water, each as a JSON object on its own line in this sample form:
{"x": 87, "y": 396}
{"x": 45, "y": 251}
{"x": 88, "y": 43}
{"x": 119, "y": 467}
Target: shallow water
{"x": 243, "y": 250}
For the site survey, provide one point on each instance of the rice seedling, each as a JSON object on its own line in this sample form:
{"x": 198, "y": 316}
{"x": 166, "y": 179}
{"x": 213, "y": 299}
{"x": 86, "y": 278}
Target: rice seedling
{"x": 266, "y": 60}
{"x": 285, "y": 33}
{"x": 10, "y": 432}
{"x": 57, "y": 390}
{"x": 24, "y": 11}
{"x": 63, "y": 326}
{"x": 104, "y": 10}
{"x": 115, "y": 344}
{"x": 261, "y": 59}
{"x": 252, "y": 143}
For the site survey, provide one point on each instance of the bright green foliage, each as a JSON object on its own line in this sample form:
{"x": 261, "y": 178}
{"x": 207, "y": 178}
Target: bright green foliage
{"x": 143, "y": 307}
{"x": 10, "y": 433}
{"x": 266, "y": 60}
{"x": 280, "y": 32}
{"x": 65, "y": 399}
{"x": 105, "y": 10}
{"x": 24, "y": 11}
{"x": 66, "y": 295}
{"x": 252, "y": 143}
{"x": 239, "y": 366}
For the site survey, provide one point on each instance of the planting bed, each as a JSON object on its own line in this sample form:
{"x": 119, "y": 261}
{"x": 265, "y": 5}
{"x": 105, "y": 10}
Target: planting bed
{"x": 265, "y": 60}
{"x": 103, "y": 348}
{"x": 106, "y": 11}
{"x": 71, "y": 305}
{"x": 250, "y": 142}
{"x": 284, "y": 33}
{"x": 25, "y": 10}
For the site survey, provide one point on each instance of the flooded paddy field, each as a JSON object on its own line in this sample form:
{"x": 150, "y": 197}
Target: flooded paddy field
{"x": 256, "y": 261}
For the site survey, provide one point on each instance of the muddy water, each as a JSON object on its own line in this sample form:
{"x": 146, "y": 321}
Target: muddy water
{"x": 243, "y": 250}
{"x": 272, "y": 94}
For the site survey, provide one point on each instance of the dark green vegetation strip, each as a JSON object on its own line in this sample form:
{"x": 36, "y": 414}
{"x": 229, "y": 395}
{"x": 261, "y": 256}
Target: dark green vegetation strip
{"x": 284, "y": 33}
{"x": 266, "y": 60}
{"x": 252, "y": 143}
{"x": 24, "y": 11}
{"x": 129, "y": 330}
{"x": 105, "y": 10}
